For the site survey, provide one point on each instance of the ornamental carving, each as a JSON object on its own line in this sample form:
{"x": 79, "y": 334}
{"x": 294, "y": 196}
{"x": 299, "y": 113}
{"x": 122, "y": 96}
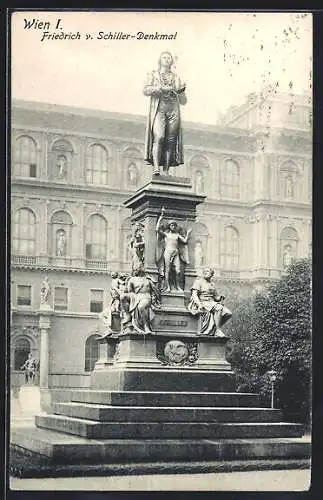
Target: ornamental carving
{"x": 31, "y": 331}
{"x": 177, "y": 353}
{"x": 116, "y": 353}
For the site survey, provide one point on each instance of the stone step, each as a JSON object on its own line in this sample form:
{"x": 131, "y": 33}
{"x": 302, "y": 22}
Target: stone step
{"x": 64, "y": 448}
{"x": 147, "y": 398}
{"x": 105, "y": 413}
{"x": 184, "y": 430}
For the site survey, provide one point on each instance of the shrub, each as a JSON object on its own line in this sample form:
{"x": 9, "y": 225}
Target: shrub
{"x": 272, "y": 331}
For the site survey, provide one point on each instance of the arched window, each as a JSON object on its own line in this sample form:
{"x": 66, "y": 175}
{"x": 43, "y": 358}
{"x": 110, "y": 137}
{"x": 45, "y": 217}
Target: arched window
{"x": 25, "y": 157}
{"x": 288, "y": 246}
{"x": 199, "y": 182}
{"x": 91, "y": 352}
{"x": 230, "y": 179}
{"x": 97, "y": 165}
{"x": 96, "y": 238}
{"x": 229, "y": 248}
{"x": 199, "y": 162}
{"x": 62, "y": 151}
{"x": 288, "y": 180}
{"x": 61, "y": 217}
{"x": 24, "y": 232}
{"x": 21, "y": 350}
{"x": 126, "y": 235}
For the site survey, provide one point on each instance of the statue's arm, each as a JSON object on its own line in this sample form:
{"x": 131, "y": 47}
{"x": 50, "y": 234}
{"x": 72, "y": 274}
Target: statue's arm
{"x": 218, "y": 297}
{"x": 186, "y": 238}
{"x": 158, "y": 230}
{"x": 129, "y": 286}
{"x": 195, "y": 297}
{"x": 181, "y": 87}
{"x": 149, "y": 88}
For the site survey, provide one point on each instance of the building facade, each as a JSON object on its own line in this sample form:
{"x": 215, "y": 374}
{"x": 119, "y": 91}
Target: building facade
{"x": 72, "y": 169}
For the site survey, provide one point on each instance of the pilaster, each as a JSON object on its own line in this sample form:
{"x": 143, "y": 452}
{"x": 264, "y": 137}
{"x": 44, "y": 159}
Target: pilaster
{"x": 45, "y": 313}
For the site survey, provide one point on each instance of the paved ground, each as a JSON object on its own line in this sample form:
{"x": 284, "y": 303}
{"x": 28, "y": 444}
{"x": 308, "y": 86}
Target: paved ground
{"x": 234, "y": 481}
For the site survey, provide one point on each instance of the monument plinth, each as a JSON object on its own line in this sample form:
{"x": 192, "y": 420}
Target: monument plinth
{"x": 176, "y": 195}
{"x": 172, "y": 354}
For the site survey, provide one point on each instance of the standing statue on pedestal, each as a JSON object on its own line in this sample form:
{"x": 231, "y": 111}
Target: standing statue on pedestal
{"x": 62, "y": 165}
{"x": 206, "y": 302}
{"x": 199, "y": 256}
{"x": 29, "y": 367}
{"x": 137, "y": 247}
{"x": 287, "y": 256}
{"x": 44, "y": 291}
{"x": 171, "y": 253}
{"x": 117, "y": 290}
{"x": 164, "y": 142}
{"x": 61, "y": 244}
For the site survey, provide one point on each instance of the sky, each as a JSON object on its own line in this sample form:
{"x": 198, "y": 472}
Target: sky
{"x": 222, "y": 57}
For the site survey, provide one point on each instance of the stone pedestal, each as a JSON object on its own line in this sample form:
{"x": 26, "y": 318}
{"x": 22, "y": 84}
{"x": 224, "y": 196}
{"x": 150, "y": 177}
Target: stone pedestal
{"x": 29, "y": 400}
{"x": 163, "y": 361}
{"x": 107, "y": 347}
{"x": 176, "y": 195}
{"x": 173, "y": 356}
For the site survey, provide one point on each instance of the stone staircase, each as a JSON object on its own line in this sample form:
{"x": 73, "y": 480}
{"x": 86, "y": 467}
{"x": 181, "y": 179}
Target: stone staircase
{"x": 120, "y": 426}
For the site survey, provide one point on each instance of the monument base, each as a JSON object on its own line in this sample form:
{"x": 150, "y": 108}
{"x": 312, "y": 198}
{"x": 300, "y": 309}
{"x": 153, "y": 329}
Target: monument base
{"x": 29, "y": 399}
{"x": 162, "y": 362}
{"x": 127, "y": 379}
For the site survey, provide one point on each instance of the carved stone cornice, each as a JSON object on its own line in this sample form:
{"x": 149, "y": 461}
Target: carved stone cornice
{"x": 30, "y": 330}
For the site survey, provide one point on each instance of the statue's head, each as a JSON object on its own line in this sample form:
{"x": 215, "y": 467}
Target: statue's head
{"x": 138, "y": 271}
{"x": 165, "y": 60}
{"x": 208, "y": 273}
{"x": 173, "y": 225}
{"x": 114, "y": 275}
{"x": 138, "y": 229}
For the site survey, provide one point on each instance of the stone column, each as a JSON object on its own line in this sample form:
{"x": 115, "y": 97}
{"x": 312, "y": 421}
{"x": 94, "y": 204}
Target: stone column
{"x": 259, "y": 176}
{"x": 262, "y": 257}
{"x": 44, "y": 325}
{"x": 216, "y": 247}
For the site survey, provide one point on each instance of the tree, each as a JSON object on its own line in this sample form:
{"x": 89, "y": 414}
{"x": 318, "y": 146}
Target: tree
{"x": 278, "y": 338}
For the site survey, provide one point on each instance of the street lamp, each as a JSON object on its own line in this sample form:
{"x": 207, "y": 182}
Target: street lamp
{"x": 272, "y": 378}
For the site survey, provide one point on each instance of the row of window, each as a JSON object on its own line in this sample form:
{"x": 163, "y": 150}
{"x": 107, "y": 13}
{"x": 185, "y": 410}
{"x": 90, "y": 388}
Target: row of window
{"x": 23, "y": 347}
{"x": 98, "y": 159}
{"x": 24, "y": 238}
{"x": 61, "y": 298}
{"x": 229, "y": 259}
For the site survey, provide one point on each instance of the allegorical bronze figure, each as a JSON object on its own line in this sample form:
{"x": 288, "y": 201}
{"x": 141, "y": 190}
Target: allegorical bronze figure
{"x": 164, "y": 143}
{"x": 171, "y": 253}
{"x": 206, "y": 302}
